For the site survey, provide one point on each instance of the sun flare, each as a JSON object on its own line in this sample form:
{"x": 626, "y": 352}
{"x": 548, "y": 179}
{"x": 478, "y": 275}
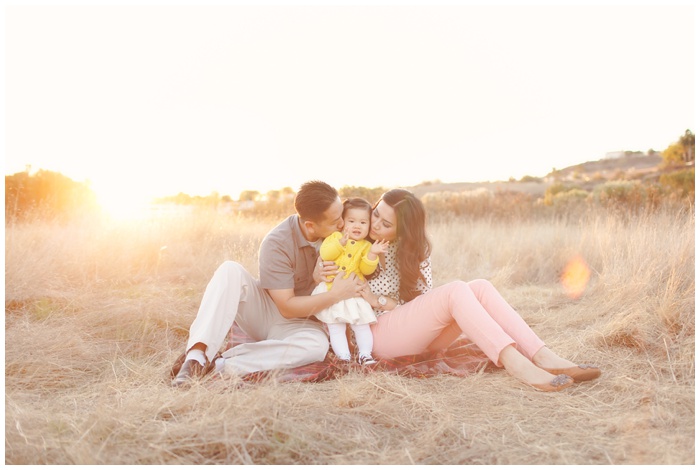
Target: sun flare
{"x": 124, "y": 205}
{"x": 575, "y": 277}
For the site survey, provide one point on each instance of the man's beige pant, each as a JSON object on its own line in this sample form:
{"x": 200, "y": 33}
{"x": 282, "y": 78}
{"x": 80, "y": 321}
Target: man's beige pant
{"x": 234, "y": 295}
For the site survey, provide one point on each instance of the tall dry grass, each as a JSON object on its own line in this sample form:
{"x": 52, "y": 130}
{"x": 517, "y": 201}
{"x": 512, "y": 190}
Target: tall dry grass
{"x": 96, "y": 311}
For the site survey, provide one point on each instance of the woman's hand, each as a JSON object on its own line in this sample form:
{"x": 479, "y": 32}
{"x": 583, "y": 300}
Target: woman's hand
{"x": 370, "y": 297}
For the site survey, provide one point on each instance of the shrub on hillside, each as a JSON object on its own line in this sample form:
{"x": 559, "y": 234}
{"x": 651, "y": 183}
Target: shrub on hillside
{"x": 569, "y": 199}
{"x": 480, "y": 203}
{"x": 681, "y": 182}
{"x": 626, "y": 195}
{"x": 561, "y": 192}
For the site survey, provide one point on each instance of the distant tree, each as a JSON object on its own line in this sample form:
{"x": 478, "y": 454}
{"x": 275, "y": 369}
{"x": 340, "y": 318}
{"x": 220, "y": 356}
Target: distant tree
{"x": 180, "y": 199}
{"x": 213, "y": 199}
{"x": 183, "y": 199}
{"x": 673, "y": 155}
{"x": 680, "y": 152}
{"x": 273, "y": 196}
{"x": 687, "y": 142}
{"x": 249, "y": 195}
{"x": 46, "y": 194}
{"x": 371, "y": 194}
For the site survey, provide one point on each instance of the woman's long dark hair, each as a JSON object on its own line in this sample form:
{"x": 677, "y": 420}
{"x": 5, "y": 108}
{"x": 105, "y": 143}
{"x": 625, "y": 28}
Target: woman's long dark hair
{"x": 413, "y": 244}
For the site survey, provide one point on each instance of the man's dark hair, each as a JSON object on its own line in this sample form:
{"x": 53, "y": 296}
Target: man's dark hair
{"x": 313, "y": 199}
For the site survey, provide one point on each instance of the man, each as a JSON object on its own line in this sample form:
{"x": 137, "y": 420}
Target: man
{"x": 275, "y": 310}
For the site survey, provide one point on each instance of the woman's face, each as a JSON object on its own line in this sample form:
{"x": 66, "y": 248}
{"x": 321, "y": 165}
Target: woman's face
{"x": 383, "y": 223}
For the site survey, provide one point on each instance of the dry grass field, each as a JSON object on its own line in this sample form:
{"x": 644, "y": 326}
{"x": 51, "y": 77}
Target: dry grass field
{"x": 96, "y": 312}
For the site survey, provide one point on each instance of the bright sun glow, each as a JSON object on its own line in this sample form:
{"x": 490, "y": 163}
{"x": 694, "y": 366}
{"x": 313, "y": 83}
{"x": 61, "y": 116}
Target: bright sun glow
{"x": 120, "y": 205}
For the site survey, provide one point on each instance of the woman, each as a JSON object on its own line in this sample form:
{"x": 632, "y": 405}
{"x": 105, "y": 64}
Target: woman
{"x": 412, "y": 317}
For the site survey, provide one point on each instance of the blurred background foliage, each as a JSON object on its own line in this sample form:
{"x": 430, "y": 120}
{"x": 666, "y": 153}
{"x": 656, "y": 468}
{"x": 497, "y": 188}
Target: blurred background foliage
{"x": 49, "y": 195}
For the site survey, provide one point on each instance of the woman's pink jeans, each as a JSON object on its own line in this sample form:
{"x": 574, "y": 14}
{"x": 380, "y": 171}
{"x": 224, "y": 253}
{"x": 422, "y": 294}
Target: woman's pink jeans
{"x": 432, "y": 321}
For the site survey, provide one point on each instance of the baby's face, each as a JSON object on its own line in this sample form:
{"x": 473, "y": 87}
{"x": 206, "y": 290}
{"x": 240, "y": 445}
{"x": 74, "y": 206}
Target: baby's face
{"x": 357, "y": 223}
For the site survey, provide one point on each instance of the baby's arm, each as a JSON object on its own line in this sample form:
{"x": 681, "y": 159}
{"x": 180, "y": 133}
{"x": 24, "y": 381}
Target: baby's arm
{"x": 331, "y": 247}
{"x": 377, "y": 248}
{"x": 370, "y": 258}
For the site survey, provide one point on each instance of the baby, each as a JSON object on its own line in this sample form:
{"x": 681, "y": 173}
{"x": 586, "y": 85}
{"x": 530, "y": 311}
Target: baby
{"x": 352, "y": 253}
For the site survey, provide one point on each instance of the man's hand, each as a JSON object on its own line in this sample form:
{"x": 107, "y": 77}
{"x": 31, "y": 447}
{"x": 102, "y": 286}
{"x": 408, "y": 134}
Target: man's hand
{"x": 347, "y": 288}
{"x": 324, "y": 270}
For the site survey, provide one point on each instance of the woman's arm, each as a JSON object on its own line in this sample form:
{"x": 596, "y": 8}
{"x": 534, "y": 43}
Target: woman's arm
{"x": 427, "y": 272}
{"x": 390, "y": 303}
{"x": 374, "y": 300}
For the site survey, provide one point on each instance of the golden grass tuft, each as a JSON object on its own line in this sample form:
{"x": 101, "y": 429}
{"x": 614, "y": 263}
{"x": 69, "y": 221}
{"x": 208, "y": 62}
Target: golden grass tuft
{"x": 95, "y": 313}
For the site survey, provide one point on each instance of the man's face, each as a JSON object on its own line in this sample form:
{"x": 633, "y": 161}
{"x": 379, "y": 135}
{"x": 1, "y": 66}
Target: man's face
{"x": 332, "y": 220}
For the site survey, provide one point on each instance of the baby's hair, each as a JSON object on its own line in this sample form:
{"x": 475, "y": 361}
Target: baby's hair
{"x": 356, "y": 203}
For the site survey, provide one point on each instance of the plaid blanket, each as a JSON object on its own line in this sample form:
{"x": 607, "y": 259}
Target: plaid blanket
{"x": 461, "y": 358}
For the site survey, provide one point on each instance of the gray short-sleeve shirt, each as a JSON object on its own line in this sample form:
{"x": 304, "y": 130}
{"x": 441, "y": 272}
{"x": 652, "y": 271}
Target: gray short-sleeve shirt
{"x": 287, "y": 259}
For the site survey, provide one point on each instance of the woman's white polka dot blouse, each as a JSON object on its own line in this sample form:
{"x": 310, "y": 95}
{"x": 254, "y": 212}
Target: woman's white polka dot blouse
{"x": 386, "y": 280}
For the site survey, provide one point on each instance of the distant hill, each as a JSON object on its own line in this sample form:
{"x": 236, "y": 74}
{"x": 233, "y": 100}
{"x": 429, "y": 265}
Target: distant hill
{"x": 630, "y": 166}
{"x": 531, "y": 187}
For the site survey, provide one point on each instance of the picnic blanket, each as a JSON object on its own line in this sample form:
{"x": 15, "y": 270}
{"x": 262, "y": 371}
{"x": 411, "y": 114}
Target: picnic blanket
{"x": 461, "y": 358}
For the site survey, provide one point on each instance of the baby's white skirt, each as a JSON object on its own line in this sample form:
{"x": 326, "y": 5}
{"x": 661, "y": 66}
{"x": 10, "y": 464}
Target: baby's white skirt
{"x": 355, "y": 311}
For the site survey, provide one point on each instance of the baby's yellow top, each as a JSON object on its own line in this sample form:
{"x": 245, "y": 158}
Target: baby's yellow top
{"x": 351, "y": 258}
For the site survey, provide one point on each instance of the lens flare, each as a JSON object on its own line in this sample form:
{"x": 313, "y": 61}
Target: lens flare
{"x": 575, "y": 277}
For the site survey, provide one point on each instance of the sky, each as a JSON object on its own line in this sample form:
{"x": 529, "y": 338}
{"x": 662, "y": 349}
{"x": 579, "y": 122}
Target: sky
{"x": 158, "y": 98}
